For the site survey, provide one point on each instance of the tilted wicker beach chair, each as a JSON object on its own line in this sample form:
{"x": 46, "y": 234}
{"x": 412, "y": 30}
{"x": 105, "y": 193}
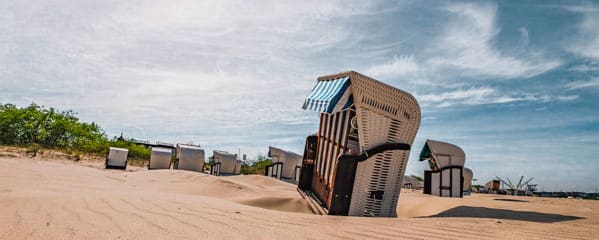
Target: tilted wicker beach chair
{"x": 355, "y": 163}
{"x": 446, "y": 175}
{"x": 189, "y": 158}
{"x": 116, "y": 158}
{"x": 224, "y": 163}
{"x": 160, "y": 158}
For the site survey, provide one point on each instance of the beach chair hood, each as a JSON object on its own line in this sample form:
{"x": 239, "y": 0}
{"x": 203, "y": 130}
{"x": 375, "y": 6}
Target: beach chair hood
{"x": 442, "y": 154}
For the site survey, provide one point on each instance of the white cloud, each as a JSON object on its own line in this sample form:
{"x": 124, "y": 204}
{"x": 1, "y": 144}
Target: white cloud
{"x": 398, "y": 66}
{"x": 579, "y": 8}
{"x": 481, "y": 96}
{"x": 567, "y": 98}
{"x": 590, "y": 67}
{"x": 467, "y": 47}
{"x": 587, "y": 43}
{"x": 473, "y": 93}
{"x": 583, "y": 84}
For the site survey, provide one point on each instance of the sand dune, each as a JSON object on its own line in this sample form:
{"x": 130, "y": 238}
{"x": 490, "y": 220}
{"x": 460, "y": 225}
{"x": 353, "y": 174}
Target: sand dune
{"x": 62, "y": 200}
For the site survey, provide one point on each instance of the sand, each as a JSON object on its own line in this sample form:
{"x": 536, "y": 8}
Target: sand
{"x": 77, "y": 200}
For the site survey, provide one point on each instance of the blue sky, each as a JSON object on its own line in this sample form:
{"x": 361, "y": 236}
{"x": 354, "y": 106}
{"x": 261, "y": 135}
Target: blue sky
{"x": 514, "y": 83}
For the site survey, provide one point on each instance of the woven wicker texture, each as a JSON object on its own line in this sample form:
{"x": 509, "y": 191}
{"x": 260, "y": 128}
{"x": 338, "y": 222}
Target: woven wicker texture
{"x": 385, "y": 114}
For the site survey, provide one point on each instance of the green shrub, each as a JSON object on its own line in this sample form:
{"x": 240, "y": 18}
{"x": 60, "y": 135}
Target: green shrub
{"x": 38, "y": 127}
{"x": 49, "y": 128}
{"x": 257, "y": 166}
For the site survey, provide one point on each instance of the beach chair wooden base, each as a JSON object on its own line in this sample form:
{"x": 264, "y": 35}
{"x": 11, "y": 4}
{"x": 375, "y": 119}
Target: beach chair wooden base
{"x": 347, "y": 166}
{"x": 215, "y": 169}
{"x": 447, "y": 182}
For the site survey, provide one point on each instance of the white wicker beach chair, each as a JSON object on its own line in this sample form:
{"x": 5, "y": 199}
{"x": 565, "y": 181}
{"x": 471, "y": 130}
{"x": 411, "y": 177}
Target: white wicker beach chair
{"x": 468, "y": 176}
{"x": 160, "y": 158}
{"x": 446, "y": 175}
{"x": 224, "y": 163}
{"x": 355, "y": 163}
{"x": 189, "y": 158}
{"x": 116, "y": 158}
{"x": 285, "y": 164}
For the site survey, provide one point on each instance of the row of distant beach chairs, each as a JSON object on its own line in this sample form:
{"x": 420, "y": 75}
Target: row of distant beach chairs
{"x": 286, "y": 165}
{"x": 188, "y": 157}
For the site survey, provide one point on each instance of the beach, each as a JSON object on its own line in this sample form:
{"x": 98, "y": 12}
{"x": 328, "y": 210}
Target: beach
{"x": 65, "y": 199}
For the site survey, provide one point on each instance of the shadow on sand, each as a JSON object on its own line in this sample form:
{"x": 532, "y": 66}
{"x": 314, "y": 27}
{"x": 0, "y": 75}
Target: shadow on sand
{"x": 482, "y": 212}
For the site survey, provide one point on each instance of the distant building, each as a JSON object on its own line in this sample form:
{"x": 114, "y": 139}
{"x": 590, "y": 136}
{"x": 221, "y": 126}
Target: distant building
{"x": 492, "y": 186}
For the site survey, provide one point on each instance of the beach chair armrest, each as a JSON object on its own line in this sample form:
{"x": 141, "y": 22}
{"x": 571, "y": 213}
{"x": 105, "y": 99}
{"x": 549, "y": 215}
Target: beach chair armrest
{"x": 375, "y": 150}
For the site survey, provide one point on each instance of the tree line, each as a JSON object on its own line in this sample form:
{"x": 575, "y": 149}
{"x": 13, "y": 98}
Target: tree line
{"x": 55, "y": 129}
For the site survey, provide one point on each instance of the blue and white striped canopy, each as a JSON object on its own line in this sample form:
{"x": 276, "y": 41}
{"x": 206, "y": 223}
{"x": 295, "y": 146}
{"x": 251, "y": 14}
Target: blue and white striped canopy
{"x": 330, "y": 96}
